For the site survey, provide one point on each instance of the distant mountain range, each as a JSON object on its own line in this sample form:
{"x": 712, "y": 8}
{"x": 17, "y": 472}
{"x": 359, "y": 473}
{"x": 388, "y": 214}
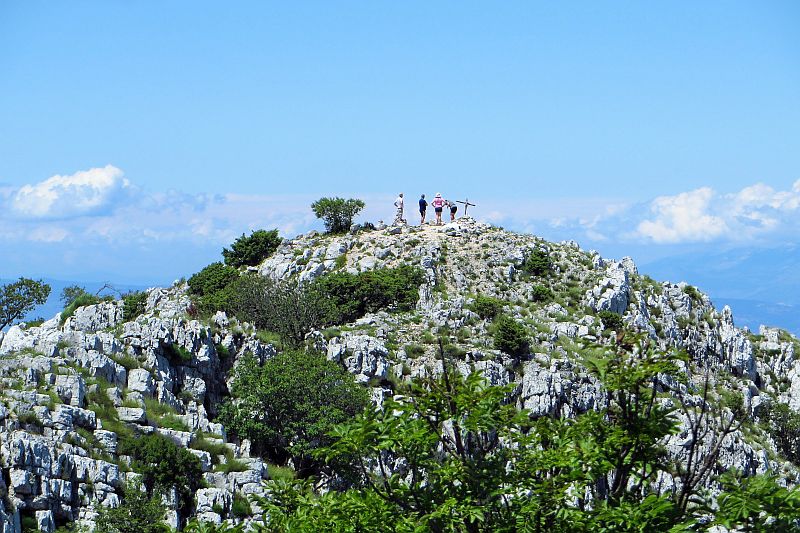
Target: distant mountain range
{"x": 762, "y": 285}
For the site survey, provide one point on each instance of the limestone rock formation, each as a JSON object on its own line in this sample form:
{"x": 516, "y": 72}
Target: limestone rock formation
{"x": 63, "y": 387}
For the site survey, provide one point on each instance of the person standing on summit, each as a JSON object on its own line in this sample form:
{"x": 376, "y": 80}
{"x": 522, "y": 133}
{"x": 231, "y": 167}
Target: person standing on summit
{"x": 437, "y": 204}
{"x": 423, "y": 207}
{"x": 398, "y": 203}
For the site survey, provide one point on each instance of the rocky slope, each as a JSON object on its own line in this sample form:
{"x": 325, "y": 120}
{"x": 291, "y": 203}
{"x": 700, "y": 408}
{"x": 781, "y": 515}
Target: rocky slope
{"x": 166, "y": 372}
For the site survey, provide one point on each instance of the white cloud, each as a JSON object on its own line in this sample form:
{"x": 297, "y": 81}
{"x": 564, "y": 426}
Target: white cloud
{"x": 98, "y": 210}
{"x": 684, "y": 217}
{"x": 87, "y": 192}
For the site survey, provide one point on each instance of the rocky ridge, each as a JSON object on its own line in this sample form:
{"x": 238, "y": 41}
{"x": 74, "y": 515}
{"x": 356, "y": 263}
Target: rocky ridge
{"x": 58, "y": 454}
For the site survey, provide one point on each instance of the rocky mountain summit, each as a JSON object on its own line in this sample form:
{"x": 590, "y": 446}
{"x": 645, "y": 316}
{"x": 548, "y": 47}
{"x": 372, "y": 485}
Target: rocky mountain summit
{"x": 69, "y": 389}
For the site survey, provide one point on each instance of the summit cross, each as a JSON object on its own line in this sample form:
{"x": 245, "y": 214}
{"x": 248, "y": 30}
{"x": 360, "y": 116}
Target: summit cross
{"x": 466, "y": 205}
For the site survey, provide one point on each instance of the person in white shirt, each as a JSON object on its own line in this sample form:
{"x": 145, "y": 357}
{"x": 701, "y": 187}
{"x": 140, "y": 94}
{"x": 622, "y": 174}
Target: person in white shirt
{"x": 398, "y": 203}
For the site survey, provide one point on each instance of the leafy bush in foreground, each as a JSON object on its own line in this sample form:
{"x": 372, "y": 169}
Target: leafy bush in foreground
{"x": 288, "y": 406}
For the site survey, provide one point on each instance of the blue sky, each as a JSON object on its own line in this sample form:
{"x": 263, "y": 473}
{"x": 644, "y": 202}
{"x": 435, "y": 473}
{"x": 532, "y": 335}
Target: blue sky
{"x": 138, "y": 138}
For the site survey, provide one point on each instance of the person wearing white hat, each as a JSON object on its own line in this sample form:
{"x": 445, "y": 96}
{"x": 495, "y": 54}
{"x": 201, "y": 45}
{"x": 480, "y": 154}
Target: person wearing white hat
{"x": 437, "y": 204}
{"x": 398, "y": 203}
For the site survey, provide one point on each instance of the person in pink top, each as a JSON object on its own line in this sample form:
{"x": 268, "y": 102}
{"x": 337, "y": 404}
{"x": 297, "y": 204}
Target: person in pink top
{"x": 438, "y": 204}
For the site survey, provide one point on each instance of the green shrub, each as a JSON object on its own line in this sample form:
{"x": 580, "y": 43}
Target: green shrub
{"x": 280, "y": 472}
{"x": 414, "y": 350}
{"x": 133, "y": 304}
{"x": 28, "y": 523}
{"x": 252, "y": 250}
{"x": 211, "y": 279}
{"x": 211, "y": 287}
{"x": 510, "y": 336}
{"x": 138, "y": 512}
{"x": 231, "y": 465}
{"x": 240, "y": 508}
{"x": 692, "y": 292}
{"x": 70, "y": 293}
{"x": 783, "y": 425}
{"x": 354, "y": 295}
{"x": 611, "y": 320}
{"x": 177, "y": 354}
{"x": 129, "y": 362}
{"x": 337, "y": 213}
{"x": 541, "y": 293}
{"x": 163, "y": 464}
{"x": 288, "y": 406}
{"x": 214, "y": 448}
{"x": 222, "y": 351}
{"x": 282, "y": 307}
{"x": 487, "y": 307}
{"x": 537, "y": 263}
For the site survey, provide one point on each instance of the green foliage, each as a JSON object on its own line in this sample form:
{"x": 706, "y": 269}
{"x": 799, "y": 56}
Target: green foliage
{"x": 201, "y": 442}
{"x": 134, "y": 304}
{"x": 537, "y": 263}
{"x": 163, "y": 464}
{"x": 288, "y": 405}
{"x": 163, "y": 415}
{"x": 414, "y": 350}
{"x": 240, "y": 508}
{"x": 195, "y": 526}
{"x": 231, "y": 465}
{"x": 783, "y": 425}
{"x": 337, "y": 213}
{"x": 541, "y": 293}
{"x": 487, "y": 307}
{"x": 177, "y": 354}
{"x": 284, "y": 473}
{"x": 510, "y": 336}
{"x": 284, "y": 307}
{"x": 252, "y": 250}
{"x": 28, "y": 523}
{"x": 81, "y": 300}
{"x": 693, "y": 293}
{"x": 212, "y": 287}
{"x": 611, "y": 320}
{"x": 757, "y": 503}
{"x": 472, "y": 462}
{"x": 354, "y": 295}
{"x": 137, "y": 513}
{"x": 222, "y": 351}
{"x": 71, "y": 293}
{"x": 19, "y": 298}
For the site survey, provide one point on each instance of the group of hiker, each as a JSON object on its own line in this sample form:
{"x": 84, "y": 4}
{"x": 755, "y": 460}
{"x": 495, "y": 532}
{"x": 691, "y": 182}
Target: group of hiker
{"x": 438, "y": 203}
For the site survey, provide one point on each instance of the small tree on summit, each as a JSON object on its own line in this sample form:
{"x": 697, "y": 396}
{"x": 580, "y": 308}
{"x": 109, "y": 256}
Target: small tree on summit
{"x": 337, "y": 213}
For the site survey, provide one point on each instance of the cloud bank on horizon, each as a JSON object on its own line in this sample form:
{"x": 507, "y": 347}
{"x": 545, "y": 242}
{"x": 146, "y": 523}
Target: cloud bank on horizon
{"x": 86, "y": 210}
